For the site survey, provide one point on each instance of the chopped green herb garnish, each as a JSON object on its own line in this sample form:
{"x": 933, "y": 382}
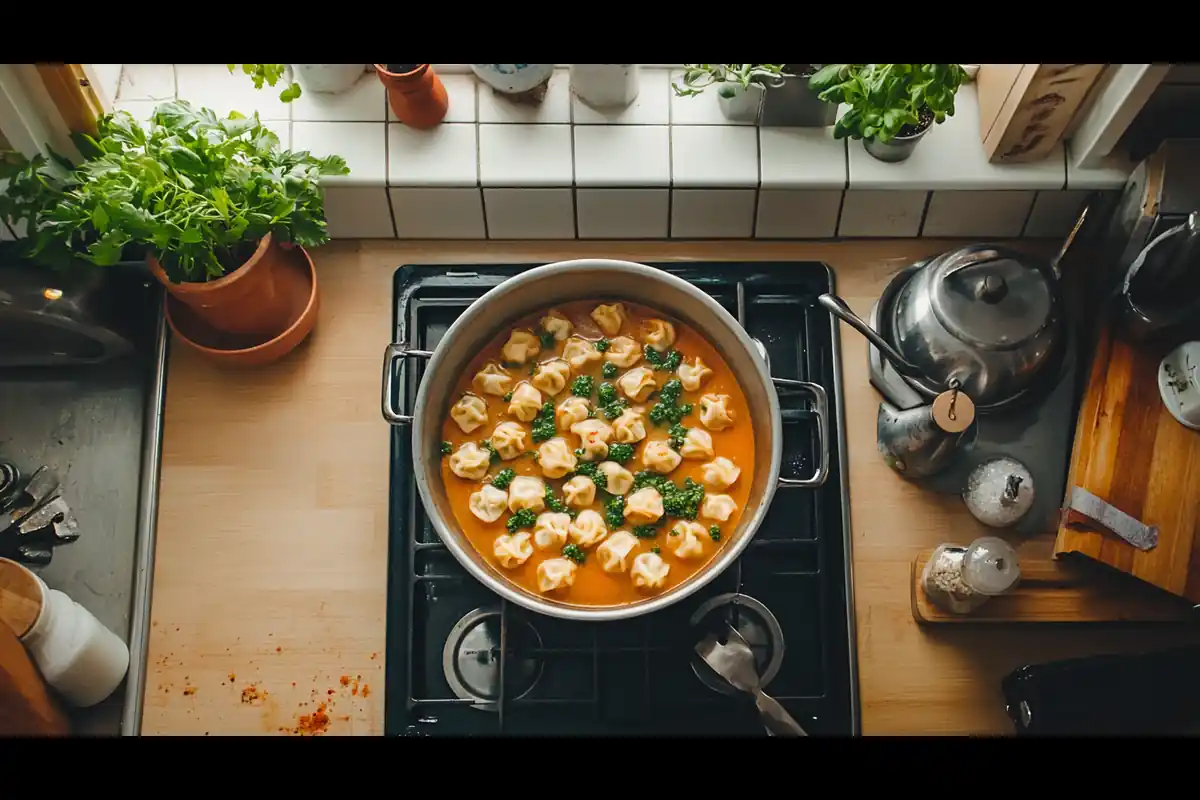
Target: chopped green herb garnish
{"x": 609, "y": 370}
{"x": 671, "y": 390}
{"x": 715, "y": 533}
{"x": 543, "y": 423}
{"x": 575, "y": 553}
{"x": 647, "y": 531}
{"x": 503, "y": 478}
{"x": 620, "y": 452}
{"x": 677, "y": 433}
{"x": 667, "y": 410}
{"x": 606, "y": 394}
{"x": 668, "y": 363}
{"x": 591, "y": 413}
{"x": 656, "y": 550}
{"x": 552, "y": 502}
{"x": 525, "y": 518}
{"x": 447, "y": 448}
{"x": 493, "y": 456}
{"x": 614, "y": 511}
{"x": 583, "y": 386}
{"x": 533, "y": 369}
{"x": 682, "y": 503}
{"x": 580, "y": 452}
{"x": 602, "y": 345}
{"x": 547, "y": 338}
{"x": 590, "y": 470}
{"x": 507, "y": 396}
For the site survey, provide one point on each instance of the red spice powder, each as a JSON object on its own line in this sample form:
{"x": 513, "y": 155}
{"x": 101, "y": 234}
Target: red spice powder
{"x": 313, "y": 724}
{"x": 252, "y": 694}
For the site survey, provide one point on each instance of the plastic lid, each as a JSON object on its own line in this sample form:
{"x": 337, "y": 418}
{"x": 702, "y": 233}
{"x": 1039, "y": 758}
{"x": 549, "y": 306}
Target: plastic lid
{"x": 990, "y": 566}
{"x": 991, "y": 298}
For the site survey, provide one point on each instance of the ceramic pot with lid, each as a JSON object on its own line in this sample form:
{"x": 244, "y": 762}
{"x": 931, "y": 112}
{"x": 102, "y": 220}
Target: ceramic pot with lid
{"x": 985, "y": 320}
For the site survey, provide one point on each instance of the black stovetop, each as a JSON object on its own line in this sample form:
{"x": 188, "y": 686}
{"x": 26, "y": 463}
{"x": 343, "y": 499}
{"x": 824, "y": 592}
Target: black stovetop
{"x": 445, "y": 630}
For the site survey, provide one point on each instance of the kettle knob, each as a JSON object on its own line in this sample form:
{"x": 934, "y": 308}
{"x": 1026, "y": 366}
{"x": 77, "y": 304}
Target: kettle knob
{"x": 991, "y": 289}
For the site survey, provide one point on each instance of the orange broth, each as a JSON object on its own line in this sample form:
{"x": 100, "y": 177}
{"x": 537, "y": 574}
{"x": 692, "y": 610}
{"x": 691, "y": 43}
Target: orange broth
{"x": 593, "y": 586}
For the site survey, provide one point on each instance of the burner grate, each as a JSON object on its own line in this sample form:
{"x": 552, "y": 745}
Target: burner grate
{"x": 463, "y": 661}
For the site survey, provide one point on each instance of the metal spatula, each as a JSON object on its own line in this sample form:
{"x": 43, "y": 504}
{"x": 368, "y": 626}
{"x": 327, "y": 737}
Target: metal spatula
{"x": 734, "y": 661}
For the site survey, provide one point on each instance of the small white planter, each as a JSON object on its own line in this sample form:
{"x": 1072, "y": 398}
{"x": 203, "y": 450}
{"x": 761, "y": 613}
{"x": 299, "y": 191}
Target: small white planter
{"x": 605, "y": 85}
{"x": 738, "y": 104}
{"x": 328, "y": 78}
{"x": 513, "y": 78}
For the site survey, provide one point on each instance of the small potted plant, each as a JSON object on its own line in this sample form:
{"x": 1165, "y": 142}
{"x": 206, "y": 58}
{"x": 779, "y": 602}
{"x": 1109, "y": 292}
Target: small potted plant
{"x": 740, "y": 87}
{"x": 415, "y": 93}
{"x": 891, "y": 106}
{"x": 270, "y": 74}
{"x": 214, "y": 203}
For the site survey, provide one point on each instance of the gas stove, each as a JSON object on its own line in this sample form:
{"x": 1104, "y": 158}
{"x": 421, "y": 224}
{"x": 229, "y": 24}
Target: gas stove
{"x": 462, "y": 661}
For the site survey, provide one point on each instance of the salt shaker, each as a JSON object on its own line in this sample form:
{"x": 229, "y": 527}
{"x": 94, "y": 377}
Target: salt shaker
{"x": 999, "y": 492}
{"x": 961, "y": 579}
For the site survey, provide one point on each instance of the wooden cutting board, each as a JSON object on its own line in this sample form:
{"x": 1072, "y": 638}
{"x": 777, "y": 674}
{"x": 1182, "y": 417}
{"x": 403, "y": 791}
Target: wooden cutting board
{"x": 1132, "y": 453}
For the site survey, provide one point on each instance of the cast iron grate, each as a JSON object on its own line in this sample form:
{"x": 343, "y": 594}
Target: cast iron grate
{"x": 636, "y": 676}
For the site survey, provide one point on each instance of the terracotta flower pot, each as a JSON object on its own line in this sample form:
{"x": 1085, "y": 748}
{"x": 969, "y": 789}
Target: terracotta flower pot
{"x": 247, "y": 301}
{"x": 418, "y": 98}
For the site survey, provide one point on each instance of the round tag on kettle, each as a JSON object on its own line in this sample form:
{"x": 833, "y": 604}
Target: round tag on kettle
{"x": 953, "y": 411}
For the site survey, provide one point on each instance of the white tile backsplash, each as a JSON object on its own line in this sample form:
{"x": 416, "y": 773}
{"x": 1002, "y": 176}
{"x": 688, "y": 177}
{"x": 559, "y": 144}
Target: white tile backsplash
{"x": 212, "y": 86}
{"x": 529, "y": 213}
{"x": 984, "y": 215}
{"x": 712, "y": 156}
{"x": 358, "y": 212}
{"x": 147, "y": 82}
{"x": 555, "y": 107}
{"x": 623, "y": 213}
{"x": 801, "y": 158}
{"x": 362, "y": 144}
{"x": 712, "y": 213}
{"x": 437, "y": 213}
{"x": 1055, "y": 213}
{"x": 365, "y": 101}
{"x": 652, "y": 106}
{"x": 445, "y": 155}
{"x": 797, "y": 213}
{"x": 142, "y": 110}
{"x": 622, "y": 155}
{"x": 881, "y": 213}
{"x": 525, "y": 155}
{"x": 698, "y": 109}
{"x": 460, "y": 98}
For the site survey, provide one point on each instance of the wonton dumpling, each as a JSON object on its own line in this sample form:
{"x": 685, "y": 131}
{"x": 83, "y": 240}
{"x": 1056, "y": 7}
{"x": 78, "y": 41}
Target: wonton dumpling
{"x": 660, "y": 334}
{"x": 644, "y": 506}
{"x": 526, "y": 402}
{"x": 572, "y": 410}
{"x": 637, "y": 384}
{"x": 520, "y": 347}
{"x": 715, "y": 413}
{"x": 469, "y": 413}
{"x": 686, "y": 539}
{"x": 593, "y": 436}
{"x": 526, "y": 491}
{"x": 623, "y": 351}
{"x": 630, "y": 427}
{"x": 610, "y": 318}
{"x": 587, "y": 529}
{"x": 488, "y": 503}
{"x": 614, "y": 551}
{"x": 555, "y": 573}
{"x": 557, "y": 324}
{"x": 550, "y": 530}
{"x": 551, "y": 376}
{"x": 620, "y": 480}
{"x": 718, "y": 506}
{"x": 721, "y": 473}
{"x": 508, "y": 439}
{"x": 492, "y": 379}
{"x": 693, "y": 375}
{"x": 580, "y": 352}
{"x": 697, "y": 444}
{"x": 580, "y": 491}
{"x": 555, "y": 457}
{"x": 470, "y": 461}
{"x": 512, "y": 550}
{"x": 659, "y": 457}
{"x": 649, "y": 571}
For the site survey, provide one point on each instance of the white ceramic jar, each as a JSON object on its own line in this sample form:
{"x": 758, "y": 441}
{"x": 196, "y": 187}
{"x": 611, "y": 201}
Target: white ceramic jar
{"x": 513, "y": 78}
{"x": 605, "y": 85}
{"x": 83, "y": 660}
{"x": 328, "y": 78}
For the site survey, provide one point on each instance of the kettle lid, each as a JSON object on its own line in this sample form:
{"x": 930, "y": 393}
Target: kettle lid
{"x": 991, "y": 297}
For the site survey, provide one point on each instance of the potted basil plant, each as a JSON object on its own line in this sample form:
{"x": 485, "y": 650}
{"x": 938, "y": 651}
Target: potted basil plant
{"x": 211, "y": 202}
{"x": 891, "y": 106}
{"x": 740, "y": 87}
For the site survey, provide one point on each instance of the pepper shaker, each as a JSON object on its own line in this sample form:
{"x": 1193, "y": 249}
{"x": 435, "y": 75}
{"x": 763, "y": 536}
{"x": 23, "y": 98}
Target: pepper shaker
{"x": 961, "y": 579}
{"x": 999, "y": 492}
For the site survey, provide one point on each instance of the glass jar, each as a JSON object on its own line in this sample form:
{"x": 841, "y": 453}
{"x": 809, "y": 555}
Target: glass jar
{"x": 961, "y": 579}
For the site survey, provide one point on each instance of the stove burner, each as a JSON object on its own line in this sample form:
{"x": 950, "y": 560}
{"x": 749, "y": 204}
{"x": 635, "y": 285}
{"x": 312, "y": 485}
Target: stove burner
{"x": 757, "y": 625}
{"x": 472, "y": 655}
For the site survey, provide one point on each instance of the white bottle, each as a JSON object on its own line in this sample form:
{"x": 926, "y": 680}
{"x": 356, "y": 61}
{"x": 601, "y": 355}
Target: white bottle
{"x": 605, "y": 85}
{"x": 83, "y": 660}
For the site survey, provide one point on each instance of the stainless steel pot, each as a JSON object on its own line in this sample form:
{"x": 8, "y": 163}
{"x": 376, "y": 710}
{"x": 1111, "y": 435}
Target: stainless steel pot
{"x": 986, "y": 320}
{"x": 561, "y": 282}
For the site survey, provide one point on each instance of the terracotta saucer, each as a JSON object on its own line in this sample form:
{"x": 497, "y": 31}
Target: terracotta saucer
{"x": 299, "y": 283}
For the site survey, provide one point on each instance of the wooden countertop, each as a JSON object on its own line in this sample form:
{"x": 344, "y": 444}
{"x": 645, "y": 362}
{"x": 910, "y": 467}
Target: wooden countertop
{"x": 269, "y": 587}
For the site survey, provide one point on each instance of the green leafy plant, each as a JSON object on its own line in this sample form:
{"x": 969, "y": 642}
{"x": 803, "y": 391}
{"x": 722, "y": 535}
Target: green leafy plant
{"x": 888, "y": 100}
{"x": 195, "y": 190}
{"x": 698, "y": 77}
{"x": 269, "y": 74}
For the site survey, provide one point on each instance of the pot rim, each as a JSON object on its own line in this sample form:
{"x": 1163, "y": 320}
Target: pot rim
{"x": 462, "y": 550}
{"x": 201, "y": 287}
{"x": 416, "y": 73}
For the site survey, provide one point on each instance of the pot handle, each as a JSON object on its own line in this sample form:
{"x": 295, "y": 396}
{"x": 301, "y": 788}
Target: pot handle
{"x": 394, "y": 353}
{"x": 821, "y": 410}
